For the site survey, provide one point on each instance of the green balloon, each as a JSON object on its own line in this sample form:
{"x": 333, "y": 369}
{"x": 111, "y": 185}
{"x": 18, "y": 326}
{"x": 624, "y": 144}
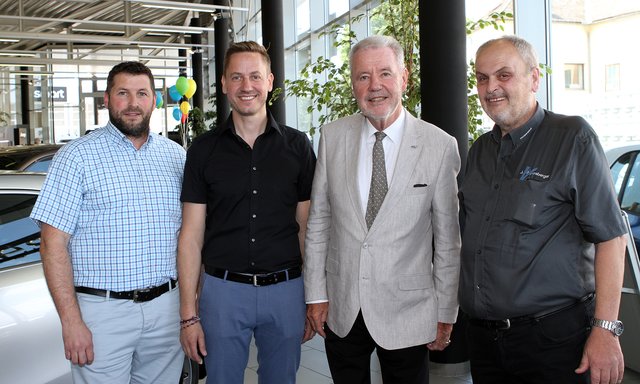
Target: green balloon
{"x": 182, "y": 85}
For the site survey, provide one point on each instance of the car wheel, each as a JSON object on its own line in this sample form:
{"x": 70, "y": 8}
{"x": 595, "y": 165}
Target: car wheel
{"x": 190, "y": 372}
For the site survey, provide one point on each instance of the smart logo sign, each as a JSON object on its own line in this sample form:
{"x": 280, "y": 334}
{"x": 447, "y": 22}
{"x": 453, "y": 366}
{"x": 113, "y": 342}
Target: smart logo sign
{"x": 57, "y": 93}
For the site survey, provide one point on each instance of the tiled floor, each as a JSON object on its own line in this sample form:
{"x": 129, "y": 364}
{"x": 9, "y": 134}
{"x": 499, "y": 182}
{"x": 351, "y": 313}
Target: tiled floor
{"x": 314, "y": 369}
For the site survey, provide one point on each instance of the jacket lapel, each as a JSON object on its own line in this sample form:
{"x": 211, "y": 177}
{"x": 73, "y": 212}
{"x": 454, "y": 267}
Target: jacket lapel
{"x": 410, "y": 148}
{"x": 352, "y": 154}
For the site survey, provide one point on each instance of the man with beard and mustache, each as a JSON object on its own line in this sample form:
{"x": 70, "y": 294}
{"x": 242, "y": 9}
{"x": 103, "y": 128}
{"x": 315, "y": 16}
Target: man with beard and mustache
{"x": 246, "y": 200}
{"x": 110, "y": 214}
{"x": 542, "y": 233}
{"x": 382, "y": 247}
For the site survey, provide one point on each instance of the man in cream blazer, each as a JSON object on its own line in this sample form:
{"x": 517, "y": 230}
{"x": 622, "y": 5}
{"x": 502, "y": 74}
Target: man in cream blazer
{"x": 391, "y": 287}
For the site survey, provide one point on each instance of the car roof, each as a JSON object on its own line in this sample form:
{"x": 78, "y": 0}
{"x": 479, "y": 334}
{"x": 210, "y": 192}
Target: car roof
{"x": 20, "y": 156}
{"x": 613, "y": 152}
{"x": 21, "y": 181}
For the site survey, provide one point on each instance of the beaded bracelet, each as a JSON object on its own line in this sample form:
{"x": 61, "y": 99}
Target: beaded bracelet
{"x": 189, "y": 322}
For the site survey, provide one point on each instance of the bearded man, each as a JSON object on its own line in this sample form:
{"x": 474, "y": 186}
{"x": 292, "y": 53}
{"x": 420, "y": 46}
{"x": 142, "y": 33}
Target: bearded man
{"x": 110, "y": 215}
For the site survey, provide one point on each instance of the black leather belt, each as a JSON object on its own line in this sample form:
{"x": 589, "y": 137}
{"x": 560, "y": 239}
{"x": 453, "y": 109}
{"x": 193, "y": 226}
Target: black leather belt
{"x": 257, "y": 280}
{"x": 526, "y": 319}
{"x": 137, "y": 295}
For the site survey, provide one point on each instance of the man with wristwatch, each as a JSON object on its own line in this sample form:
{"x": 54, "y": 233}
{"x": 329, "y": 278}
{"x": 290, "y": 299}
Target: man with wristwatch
{"x": 543, "y": 238}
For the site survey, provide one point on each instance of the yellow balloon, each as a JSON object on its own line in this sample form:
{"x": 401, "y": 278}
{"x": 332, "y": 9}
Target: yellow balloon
{"x": 191, "y": 89}
{"x": 184, "y": 107}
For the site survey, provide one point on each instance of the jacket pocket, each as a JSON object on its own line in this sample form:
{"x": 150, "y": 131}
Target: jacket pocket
{"x": 415, "y": 282}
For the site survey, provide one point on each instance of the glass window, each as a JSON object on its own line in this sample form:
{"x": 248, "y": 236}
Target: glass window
{"x": 619, "y": 171}
{"x": 612, "y": 77}
{"x": 573, "y": 76}
{"x": 337, "y": 8}
{"x": 19, "y": 235}
{"x": 595, "y": 35}
{"x": 42, "y": 165}
{"x": 631, "y": 194}
{"x": 303, "y": 17}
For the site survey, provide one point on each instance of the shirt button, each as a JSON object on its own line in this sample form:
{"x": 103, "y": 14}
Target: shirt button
{"x": 255, "y": 191}
{"x": 479, "y": 251}
{"x": 487, "y": 218}
{"x": 477, "y": 287}
{"x": 254, "y": 216}
{"x": 253, "y": 240}
{"x": 254, "y": 168}
{"x": 496, "y": 186}
{"x": 253, "y": 263}
{"x": 365, "y": 245}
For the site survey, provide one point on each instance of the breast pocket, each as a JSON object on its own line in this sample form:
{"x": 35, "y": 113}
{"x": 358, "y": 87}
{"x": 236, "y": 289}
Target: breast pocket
{"x": 527, "y": 201}
{"x": 418, "y": 189}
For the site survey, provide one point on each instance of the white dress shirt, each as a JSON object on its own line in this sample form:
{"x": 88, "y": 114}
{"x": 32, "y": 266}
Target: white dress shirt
{"x": 391, "y": 145}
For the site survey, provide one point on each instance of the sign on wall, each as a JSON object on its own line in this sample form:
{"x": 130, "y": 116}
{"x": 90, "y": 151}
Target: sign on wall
{"x": 57, "y": 93}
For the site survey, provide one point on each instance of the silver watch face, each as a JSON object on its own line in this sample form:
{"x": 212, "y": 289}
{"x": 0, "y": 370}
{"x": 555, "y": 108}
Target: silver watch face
{"x": 618, "y": 328}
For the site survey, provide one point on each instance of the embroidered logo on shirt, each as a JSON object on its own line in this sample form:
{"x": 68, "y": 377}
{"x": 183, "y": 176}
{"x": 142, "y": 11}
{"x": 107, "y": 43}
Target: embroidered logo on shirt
{"x": 530, "y": 173}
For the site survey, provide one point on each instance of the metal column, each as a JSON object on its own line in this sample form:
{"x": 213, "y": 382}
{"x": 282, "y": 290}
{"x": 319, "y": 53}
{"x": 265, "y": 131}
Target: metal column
{"x": 273, "y": 40}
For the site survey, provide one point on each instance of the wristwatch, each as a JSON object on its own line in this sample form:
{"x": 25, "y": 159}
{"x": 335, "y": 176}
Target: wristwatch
{"x": 616, "y": 327}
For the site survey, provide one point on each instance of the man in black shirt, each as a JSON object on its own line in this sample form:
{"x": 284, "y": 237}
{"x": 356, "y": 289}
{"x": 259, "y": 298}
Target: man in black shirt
{"x": 246, "y": 200}
{"x": 542, "y": 232}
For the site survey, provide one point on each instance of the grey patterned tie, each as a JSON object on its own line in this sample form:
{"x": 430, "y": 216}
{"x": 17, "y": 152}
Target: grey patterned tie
{"x": 378, "y": 180}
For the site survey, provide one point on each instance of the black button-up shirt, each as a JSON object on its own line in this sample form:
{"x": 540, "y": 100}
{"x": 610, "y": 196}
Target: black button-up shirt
{"x": 533, "y": 203}
{"x": 251, "y": 195}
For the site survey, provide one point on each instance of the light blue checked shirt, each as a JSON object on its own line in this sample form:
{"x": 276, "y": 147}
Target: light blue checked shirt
{"x": 120, "y": 205}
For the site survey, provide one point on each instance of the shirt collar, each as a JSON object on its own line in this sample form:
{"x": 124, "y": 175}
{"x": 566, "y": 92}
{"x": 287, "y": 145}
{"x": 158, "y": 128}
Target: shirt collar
{"x": 521, "y": 134}
{"x": 394, "y": 131}
{"x": 272, "y": 124}
{"x": 121, "y": 138}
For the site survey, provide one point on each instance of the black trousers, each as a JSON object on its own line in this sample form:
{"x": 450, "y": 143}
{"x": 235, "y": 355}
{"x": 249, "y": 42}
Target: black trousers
{"x": 547, "y": 350}
{"x": 350, "y": 359}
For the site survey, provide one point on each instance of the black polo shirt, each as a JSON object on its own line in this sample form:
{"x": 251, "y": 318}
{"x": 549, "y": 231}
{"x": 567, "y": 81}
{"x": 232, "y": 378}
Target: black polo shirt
{"x": 251, "y": 195}
{"x": 533, "y": 203}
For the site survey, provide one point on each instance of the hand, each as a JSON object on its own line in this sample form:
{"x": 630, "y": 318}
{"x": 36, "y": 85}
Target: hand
{"x": 443, "y": 337}
{"x": 78, "y": 343}
{"x": 603, "y": 357}
{"x": 308, "y": 331}
{"x": 317, "y": 316}
{"x": 192, "y": 340}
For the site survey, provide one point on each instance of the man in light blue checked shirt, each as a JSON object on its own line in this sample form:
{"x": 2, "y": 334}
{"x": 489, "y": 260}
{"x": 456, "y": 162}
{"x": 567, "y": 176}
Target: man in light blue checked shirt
{"x": 110, "y": 214}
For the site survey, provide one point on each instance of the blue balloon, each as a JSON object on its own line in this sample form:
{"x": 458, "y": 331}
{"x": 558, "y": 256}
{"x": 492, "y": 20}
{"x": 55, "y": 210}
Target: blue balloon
{"x": 175, "y": 95}
{"x": 159, "y": 101}
{"x": 177, "y": 113}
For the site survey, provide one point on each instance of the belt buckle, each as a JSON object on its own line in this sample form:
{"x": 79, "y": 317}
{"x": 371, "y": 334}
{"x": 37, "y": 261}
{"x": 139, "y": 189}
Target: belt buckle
{"x": 137, "y": 293}
{"x": 507, "y": 324}
{"x": 255, "y": 280}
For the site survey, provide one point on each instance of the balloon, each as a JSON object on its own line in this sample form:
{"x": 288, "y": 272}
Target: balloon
{"x": 184, "y": 107}
{"x": 191, "y": 90}
{"x": 175, "y": 95}
{"x": 184, "y": 118}
{"x": 182, "y": 85}
{"x": 159, "y": 101}
{"x": 177, "y": 114}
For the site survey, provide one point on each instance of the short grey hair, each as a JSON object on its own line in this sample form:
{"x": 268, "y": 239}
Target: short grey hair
{"x": 379, "y": 41}
{"x": 524, "y": 48}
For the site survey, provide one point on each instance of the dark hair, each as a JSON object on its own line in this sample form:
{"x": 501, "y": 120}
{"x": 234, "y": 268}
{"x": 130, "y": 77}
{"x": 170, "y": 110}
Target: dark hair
{"x": 131, "y": 68}
{"x": 246, "y": 46}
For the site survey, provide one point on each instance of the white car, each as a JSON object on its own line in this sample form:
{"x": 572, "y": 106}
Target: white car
{"x": 624, "y": 162}
{"x": 31, "y": 348}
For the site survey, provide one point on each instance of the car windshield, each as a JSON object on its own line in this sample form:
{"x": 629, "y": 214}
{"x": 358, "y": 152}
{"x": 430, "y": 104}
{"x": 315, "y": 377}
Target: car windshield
{"x": 9, "y": 161}
{"x": 19, "y": 235}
